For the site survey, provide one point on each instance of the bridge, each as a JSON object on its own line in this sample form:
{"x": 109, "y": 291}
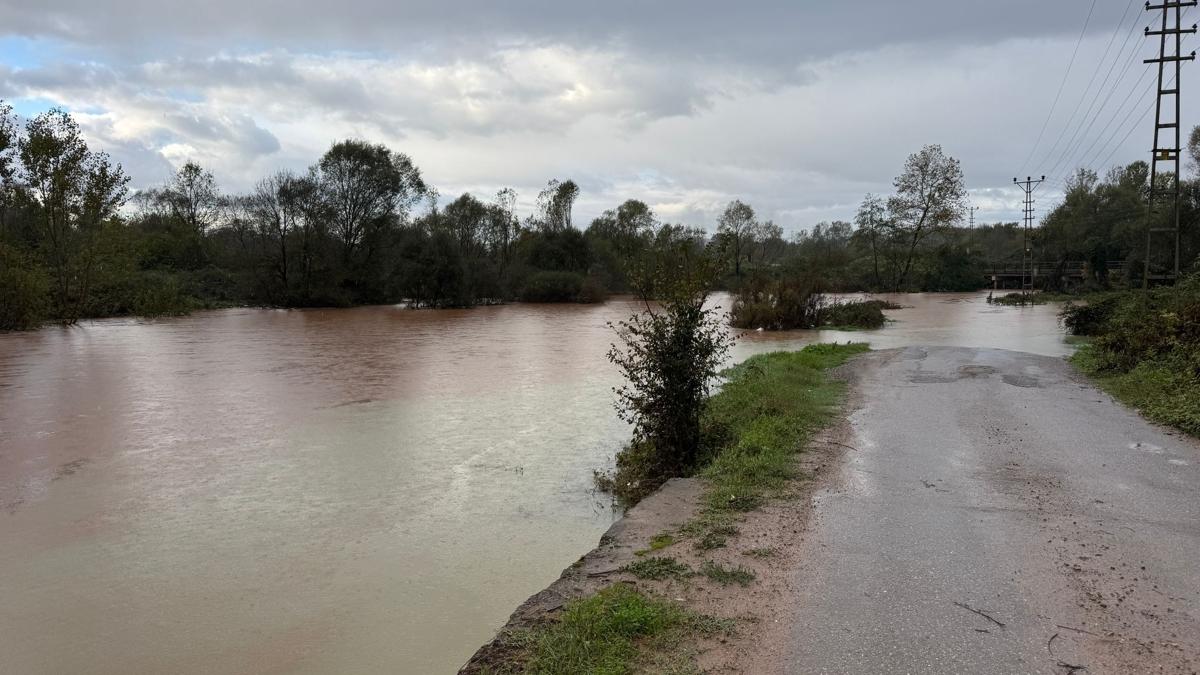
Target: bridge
{"x": 1002, "y": 274}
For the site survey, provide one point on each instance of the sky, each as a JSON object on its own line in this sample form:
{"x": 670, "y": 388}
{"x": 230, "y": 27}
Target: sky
{"x": 795, "y": 107}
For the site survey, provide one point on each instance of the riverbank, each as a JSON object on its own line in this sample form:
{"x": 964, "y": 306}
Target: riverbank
{"x": 697, "y": 574}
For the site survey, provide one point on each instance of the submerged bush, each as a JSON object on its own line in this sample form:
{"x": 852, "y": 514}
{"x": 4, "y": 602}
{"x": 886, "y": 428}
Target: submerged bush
{"x": 791, "y": 302}
{"x": 862, "y": 314}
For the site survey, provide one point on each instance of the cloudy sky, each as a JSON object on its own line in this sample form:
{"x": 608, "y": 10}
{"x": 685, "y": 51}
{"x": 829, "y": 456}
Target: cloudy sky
{"x": 797, "y": 107}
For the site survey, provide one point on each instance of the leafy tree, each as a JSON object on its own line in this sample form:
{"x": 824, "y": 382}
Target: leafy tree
{"x": 872, "y": 224}
{"x": 76, "y": 191}
{"x": 669, "y": 354}
{"x": 366, "y": 186}
{"x": 736, "y": 228}
{"x": 930, "y": 195}
{"x": 9, "y": 140}
{"x": 555, "y": 204}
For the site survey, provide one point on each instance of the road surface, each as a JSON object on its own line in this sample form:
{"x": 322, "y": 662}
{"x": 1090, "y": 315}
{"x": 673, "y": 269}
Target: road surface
{"x": 1000, "y": 515}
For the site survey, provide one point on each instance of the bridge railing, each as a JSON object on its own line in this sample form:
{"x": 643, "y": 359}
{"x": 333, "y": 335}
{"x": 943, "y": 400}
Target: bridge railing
{"x": 1042, "y": 268}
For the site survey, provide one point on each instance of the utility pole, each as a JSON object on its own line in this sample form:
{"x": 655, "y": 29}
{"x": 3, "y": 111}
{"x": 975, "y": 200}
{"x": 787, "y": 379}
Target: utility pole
{"x": 1168, "y": 153}
{"x": 973, "y": 209}
{"x": 1027, "y": 269}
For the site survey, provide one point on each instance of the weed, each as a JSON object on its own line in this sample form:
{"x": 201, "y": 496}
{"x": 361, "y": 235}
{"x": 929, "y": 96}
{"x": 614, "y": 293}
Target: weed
{"x": 661, "y": 541}
{"x": 727, "y": 575}
{"x": 613, "y": 633}
{"x": 765, "y": 552}
{"x": 662, "y": 567}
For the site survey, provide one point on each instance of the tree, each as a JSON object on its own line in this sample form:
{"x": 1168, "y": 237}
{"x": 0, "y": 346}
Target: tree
{"x": 555, "y": 204}
{"x": 669, "y": 355}
{"x": 870, "y": 220}
{"x": 467, "y": 220}
{"x": 76, "y": 191}
{"x": 9, "y": 140}
{"x": 194, "y": 197}
{"x": 736, "y": 228}
{"x": 930, "y": 194}
{"x": 365, "y": 185}
{"x": 1193, "y": 149}
{"x": 502, "y": 226}
{"x": 767, "y": 244}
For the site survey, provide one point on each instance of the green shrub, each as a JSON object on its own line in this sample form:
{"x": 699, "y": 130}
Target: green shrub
{"x": 550, "y": 286}
{"x": 1090, "y": 317}
{"x": 791, "y": 302}
{"x": 24, "y": 290}
{"x": 159, "y": 294}
{"x": 863, "y": 314}
{"x": 1146, "y": 349}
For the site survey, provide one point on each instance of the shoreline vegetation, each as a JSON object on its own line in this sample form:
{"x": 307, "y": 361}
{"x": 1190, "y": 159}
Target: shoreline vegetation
{"x": 362, "y": 226}
{"x": 1144, "y": 349}
{"x": 767, "y": 412}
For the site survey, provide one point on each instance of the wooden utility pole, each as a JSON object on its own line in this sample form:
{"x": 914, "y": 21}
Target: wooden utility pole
{"x": 1166, "y": 153}
{"x": 1027, "y": 269}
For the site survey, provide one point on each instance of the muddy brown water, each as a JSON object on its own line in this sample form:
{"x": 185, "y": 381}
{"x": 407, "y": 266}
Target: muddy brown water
{"x": 366, "y": 490}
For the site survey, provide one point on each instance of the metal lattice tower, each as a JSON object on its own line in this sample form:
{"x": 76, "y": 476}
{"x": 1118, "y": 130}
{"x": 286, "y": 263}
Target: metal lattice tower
{"x": 1168, "y": 269}
{"x": 1027, "y": 269}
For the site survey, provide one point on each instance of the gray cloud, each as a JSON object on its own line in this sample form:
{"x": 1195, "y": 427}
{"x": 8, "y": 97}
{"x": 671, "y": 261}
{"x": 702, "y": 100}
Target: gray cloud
{"x": 780, "y": 33}
{"x": 798, "y": 108}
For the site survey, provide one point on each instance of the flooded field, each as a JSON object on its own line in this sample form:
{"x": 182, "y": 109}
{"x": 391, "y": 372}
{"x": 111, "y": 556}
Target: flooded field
{"x": 366, "y": 490}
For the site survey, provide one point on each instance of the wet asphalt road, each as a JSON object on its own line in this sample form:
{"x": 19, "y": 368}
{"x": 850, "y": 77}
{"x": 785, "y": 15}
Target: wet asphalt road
{"x": 1000, "y": 515}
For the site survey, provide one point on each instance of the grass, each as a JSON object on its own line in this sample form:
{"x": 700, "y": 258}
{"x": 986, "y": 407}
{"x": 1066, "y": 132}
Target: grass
{"x": 657, "y": 543}
{"x": 1144, "y": 349}
{"x": 1168, "y": 395}
{"x": 658, "y": 568}
{"x": 764, "y": 415}
{"x": 727, "y": 575}
{"x": 768, "y": 409}
{"x": 761, "y": 553}
{"x": 613, "y": 632}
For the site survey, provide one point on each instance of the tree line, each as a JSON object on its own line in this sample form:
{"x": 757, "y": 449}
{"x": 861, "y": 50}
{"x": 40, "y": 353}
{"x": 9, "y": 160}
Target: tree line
{"x": 362, "y": 225}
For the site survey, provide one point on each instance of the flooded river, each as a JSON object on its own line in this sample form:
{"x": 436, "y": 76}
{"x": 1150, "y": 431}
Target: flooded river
{"x": 365, "y": 490}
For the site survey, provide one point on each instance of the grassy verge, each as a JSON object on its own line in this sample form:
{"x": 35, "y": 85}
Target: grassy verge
{"x": 764, "y": 415}
{"x": 1144, "y": 349}
{"x": 767, "y": 411}
{"x": 616, "y": 631}
{"x": 1158, "y": 390}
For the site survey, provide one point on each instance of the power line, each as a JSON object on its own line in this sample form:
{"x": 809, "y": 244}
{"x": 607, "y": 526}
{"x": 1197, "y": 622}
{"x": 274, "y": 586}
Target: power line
{"x": 1071, "y": 153}
{"x": 1087, "y": 153}
{"x": 1092, "y": 80}
{"x": 1057, "y": 96}
{"x": 1099, "y": 111}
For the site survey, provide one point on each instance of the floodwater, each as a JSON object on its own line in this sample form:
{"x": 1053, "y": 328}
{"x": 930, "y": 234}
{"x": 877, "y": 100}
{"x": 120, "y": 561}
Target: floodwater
{"x": 365, "y": 490}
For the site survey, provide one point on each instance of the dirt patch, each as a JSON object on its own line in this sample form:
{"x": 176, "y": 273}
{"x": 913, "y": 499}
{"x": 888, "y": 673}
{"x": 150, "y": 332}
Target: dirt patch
{"x": 767, "y": 545}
